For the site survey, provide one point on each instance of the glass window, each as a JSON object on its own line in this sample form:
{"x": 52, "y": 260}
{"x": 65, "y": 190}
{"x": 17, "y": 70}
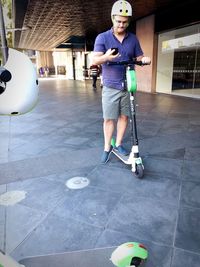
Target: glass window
{"x": 178, "y": 65}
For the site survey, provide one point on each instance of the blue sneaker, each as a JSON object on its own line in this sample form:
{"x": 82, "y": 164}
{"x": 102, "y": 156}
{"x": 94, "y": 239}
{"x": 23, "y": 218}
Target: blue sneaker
{"x": 121, "y": 150}
{"x": 106, "y": 155}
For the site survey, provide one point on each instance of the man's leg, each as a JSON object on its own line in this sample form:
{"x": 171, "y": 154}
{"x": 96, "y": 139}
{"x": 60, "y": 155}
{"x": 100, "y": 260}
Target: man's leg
{"x": 108, "y": 128}
{"x": 94, "y": 82}
{"x": 121, "y": 128}
{"x": 122, "y": 121}
{"x": 110, "y": 105}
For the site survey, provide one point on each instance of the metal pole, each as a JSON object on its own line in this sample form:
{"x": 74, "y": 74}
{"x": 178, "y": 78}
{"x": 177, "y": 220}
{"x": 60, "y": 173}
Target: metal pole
{"x": 4, "y": 47}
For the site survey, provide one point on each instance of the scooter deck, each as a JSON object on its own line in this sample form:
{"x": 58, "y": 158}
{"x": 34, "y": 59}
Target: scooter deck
{"x": 125, "y": 159}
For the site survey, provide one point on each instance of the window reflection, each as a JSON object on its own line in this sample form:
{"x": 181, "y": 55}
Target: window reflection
{"x": 178, "y": 66}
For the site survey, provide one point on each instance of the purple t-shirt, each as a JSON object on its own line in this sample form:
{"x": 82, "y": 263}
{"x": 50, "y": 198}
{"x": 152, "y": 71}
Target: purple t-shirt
{"x": 114, "y": 75}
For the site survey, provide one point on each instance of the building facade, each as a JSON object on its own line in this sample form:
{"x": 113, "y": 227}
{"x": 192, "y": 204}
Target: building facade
{"x": 172, "y": 43}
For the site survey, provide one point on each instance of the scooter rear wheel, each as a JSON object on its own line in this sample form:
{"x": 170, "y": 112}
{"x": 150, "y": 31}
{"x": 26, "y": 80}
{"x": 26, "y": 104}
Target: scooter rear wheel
{"x": 139, "y": 171}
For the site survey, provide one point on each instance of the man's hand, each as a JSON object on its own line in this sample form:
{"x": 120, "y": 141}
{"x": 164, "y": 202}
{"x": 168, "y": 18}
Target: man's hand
{"x": 109, "y": 55}
{"x": 99, "y": 58}
{"x": 146, "y": 60}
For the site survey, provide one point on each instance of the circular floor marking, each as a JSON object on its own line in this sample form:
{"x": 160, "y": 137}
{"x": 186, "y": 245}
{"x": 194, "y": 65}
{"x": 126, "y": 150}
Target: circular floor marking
{"x": 77, "y": 182}
{"x": 12, "y": 197}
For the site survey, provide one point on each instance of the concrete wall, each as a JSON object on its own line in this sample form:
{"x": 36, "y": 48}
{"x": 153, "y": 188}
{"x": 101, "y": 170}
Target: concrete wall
{"x": 145, "y": 34}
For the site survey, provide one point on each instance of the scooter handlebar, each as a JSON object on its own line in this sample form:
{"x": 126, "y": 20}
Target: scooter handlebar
{"x": 128, "y": 62}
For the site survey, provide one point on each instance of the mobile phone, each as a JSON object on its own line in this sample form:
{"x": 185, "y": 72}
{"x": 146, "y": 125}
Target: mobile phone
{"x": 116, "y": 50}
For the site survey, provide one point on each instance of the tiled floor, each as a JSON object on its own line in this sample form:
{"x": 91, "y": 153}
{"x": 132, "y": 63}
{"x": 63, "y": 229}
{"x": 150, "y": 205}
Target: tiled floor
{"x": 62, "y": 138}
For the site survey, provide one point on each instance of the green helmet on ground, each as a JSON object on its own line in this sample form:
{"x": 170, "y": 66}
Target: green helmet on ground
{"x": 129, "y": 254}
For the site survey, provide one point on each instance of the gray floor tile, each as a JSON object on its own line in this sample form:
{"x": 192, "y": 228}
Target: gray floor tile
{"x": 41, "y": 193}
{"x": 68, "y": 235}
{"x": 97, "y": 258}
{"x": 151, "y": 186}
{"x": 160, "y": 144}
{"x": 20, "y": 222}
{"x": 2, "y": 228}
{"x": 46, "y": 165}
{"x": 90, "y": 205}
{"x": 163, "y": 167}
{"x": 111, "y": 178}
{"x": 185, "y": 258}
{"x": 145, "y": 130}
{"x": 174, "y": 127}
{"x": 146, "y": 219}
{"x": 188, "y": 234}
{"x": 191, "y": 171}
{"x": 192, "y": 153}
{"x": 190, "y": 194}
{"x": 194, "y": 120}
{"x": 171, "y": 154}
{"x": 65, "y": 176}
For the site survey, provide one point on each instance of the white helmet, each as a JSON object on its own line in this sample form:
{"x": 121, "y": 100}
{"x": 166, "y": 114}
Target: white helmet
{"x": 121, "y": 8}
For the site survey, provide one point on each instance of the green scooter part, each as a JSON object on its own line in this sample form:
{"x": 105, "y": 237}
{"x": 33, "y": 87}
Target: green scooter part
{"x": 131, "y": 81}
{"x": 113, "y": 142}
{"x": 122, "y": 256}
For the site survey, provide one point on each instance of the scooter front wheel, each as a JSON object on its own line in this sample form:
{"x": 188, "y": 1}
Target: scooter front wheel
{"x": 139, "y": 170}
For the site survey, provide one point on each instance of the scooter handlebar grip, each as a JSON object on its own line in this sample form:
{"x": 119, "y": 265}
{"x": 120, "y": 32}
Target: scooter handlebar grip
{"x": 130, "y": 62}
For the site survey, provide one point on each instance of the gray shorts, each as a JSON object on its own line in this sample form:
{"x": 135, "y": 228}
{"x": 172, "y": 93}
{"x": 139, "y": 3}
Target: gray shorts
{"x": 115, "y": 103}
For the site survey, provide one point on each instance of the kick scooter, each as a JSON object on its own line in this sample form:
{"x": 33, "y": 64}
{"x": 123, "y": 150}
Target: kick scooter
{"x": 133, "y": 158}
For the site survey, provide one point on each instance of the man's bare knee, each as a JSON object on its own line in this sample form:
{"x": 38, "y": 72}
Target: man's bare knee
{"x": 108, "y": 121}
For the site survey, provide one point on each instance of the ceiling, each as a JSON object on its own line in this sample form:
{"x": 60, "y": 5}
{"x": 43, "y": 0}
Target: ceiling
{"x": 49, "y": 23}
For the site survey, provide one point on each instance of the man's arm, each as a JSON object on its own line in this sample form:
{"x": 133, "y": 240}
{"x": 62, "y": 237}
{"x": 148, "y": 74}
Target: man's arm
{"x": 99, "y": 58}
{"x": 145, "y": 60}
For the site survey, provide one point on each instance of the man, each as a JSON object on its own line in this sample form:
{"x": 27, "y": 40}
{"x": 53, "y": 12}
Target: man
{"x": 115, "y": 98}
{"x": 94, "y": 72}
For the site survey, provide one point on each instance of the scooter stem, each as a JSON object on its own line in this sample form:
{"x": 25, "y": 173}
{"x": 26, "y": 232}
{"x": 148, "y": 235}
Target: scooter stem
{"x": 134, "y": 137}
